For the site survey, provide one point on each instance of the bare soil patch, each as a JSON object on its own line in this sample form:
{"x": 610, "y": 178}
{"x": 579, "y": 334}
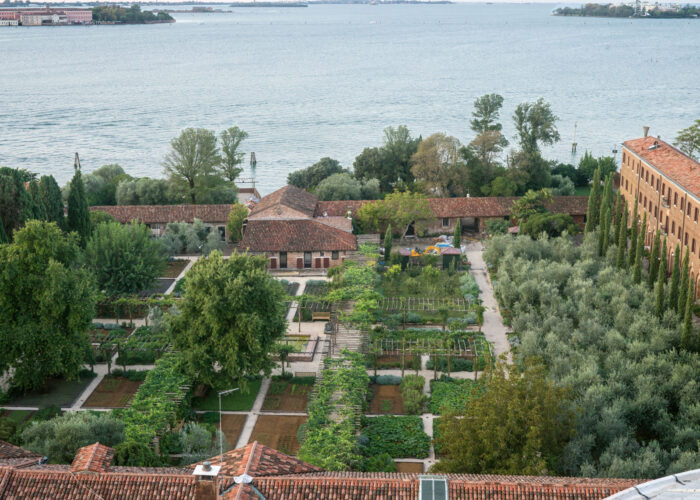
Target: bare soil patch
{"x": 409, "y": 467}
{"x": 284, "y": 396}
{"x": 174, "y": 268}
{"x": 386, "y": 400}
{"x": 113, "y": 392}
{"x": 231, "y": 426}
{"x": 278, "y": 432}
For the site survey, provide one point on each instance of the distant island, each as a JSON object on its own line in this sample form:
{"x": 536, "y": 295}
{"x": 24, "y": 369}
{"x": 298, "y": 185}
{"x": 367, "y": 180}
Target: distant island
{"x": 268, "y": 4}
{"x": 113, "y": 14}
{"x": 612, "y": 10}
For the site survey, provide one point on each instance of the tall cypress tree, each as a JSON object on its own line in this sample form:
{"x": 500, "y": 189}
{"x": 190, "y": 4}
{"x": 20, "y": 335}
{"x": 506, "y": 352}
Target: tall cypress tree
{"x": 53, "y": 200}
{"x": 593, "y": 203}
{"x": 660, "y": 305}
{"x": 3, "y": 235}
{"x": 634, "y": 226}
{"x": 619, "y": 200}
{"x": 388, "y": 243}
{"x": 654, "y": 260}
{"x": 606, "y": 199}
{"x": 622, "y": 242}
{"x": 38, "y": 208}
{"x": 687, "y": 337}
{"x": 639, "y": 252}
{"x": 78, "y": 213}
{"x": 663, "y": 264}
{"x": 457, "y": 239}
{"x": 675, "y": 280}
{"x": 685, "y": 278}
{"x": 607, "y": 221}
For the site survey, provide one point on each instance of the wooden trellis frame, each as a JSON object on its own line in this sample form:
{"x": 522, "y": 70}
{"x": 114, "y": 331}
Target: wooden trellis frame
{"x": 423, "y": 304}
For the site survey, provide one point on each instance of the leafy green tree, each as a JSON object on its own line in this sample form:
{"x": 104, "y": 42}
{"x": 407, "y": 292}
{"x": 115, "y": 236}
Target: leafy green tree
{"x": 146, "y": 191}
{"x": 101, "y": 184}
{"x": 532, "y": 203}
{"x": 518, "y": 424}
{"x": 78, "y": 213}
{"x": 236, "y": 217}
{"x": 675, "y": 280}
{"x": 45, "y": 300}
{"x": 3, "y": 236}
{"x": 535, "y": 124}
{"x": 501, "y": 186}
{"x": 688, "y": 140}
{"x": 634, "y": 226}
{"x": 345, "y": 187}
{"x": 562, "y": 186}
{"x": 391, "y": 163}
{"x": 685, "y": 278}
{"x": 124, "y": 257}
{"x": 587, "y": 167}
{"x": 53, "y": 202}
{"x": 193, "y": 156}
{"x": 99, "y": 217}
{"x": 135, "y": 454}
{"x": 398, "y": 209}
{"x": 607, "y": 166}
{"x": 687, "y": 337}
{"x": 551, "y": 224}
{"x": 457, "y": 237}
{"x": 604, "y": 233}
{"x": 283, "y": 351}
{"x": 621, "y": 261}
{"x": 497, "y": 226}
{"x": 62, "y": 436}
{"x": 437, "y": 166}
{"x": 38, "y": 208}
{"x": 388, "y": 243}
{"x": 231, "y": 157}
{"x": 606, "y": 202}
{"x": 310, "y": 177}
{"x": 654, "y": 260}
{"x": 487, "y": 110}
{"x": 15, "y": 202}
{"x": 231, "y": 317}
{"x": 593, "y": 211}
{"x": 617, "y": 215}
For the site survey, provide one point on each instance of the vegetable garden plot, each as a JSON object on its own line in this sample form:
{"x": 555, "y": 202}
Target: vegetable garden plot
{"x": 400, "y": 437}
{"x": 175, "y": 268}
{"x": 278, "y": 432}
{"x": 288, "y": 395}
{"x": 231, "y": 426}
{"x": 409, "y": 467}
{"x": 142, "y": 347}
{"x": 113, "y": 392}
{"x": 452, "y": 394}
{"x": 386, "y": 399}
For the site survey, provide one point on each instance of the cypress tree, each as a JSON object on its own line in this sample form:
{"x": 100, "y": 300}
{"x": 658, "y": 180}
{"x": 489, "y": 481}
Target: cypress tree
{"x": 660, "y": 297}
{"x": 457, "y": 239}
{"x": 618, "y": 217}
{"x": 38, "y": 208}
{"x": 634, "y": 225}
{"x": 3, "y": 234}
{"x": 78, "y": 213}
{"x": 639, "y": 252}
{"x": 654, "y": 260}
{"x": 663, "y": 265}
{"x": 607, "y": 221}
{"x": 593, "y": 203}
{"x": 607, "y": 198}
{"x": 685, "y": 277}
{"x": 687, "y": 339}
{"x": 675, "y": 281}
{"x": 388, "y": 243}
{"x": 622, "y": 242}
{"x": 53, "y": 200}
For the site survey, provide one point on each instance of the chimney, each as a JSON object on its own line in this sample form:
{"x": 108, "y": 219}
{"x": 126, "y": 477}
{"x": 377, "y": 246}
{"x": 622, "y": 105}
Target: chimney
{"x": 206, "y": 474}
{"x": 646, "y": 131}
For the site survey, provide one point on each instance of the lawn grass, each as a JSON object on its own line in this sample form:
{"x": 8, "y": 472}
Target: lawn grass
{"x": 236, "y": 401}
{"x": 17, "y": 416}
{"x": 58, "y": 392}
{"x": 582, "y": 191}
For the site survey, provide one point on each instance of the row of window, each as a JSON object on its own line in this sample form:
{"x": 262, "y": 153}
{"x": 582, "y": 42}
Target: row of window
{"x": 335, "y": 255}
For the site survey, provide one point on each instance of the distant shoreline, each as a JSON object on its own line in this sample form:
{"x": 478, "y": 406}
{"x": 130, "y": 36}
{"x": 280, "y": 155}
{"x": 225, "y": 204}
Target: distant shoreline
{"x": 628, "y": 12}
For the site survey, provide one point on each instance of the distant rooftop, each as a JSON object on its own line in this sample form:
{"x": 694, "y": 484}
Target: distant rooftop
{"x": 682, "y": 486}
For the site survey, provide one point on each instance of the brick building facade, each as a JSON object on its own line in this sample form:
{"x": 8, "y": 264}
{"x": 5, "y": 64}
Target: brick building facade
{"x": 666, "y": 186}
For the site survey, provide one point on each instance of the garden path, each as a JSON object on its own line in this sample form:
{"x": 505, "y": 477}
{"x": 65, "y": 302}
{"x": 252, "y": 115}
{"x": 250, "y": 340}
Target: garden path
{"x": 252, "y": 419}
{"x": 493, "y": 327}
{"x": 192, "y": 260}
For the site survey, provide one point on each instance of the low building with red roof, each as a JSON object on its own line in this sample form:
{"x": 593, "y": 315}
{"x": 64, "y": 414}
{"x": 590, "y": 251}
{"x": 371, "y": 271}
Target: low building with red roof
{"x": 257, "y": 471}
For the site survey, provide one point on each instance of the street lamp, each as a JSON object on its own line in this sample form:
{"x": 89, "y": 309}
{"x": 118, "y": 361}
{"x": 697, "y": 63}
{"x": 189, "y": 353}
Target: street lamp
{"x": 221, "y": 432}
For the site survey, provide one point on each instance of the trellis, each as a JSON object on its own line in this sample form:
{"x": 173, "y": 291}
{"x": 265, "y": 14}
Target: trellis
{"x": 423, "y": 304}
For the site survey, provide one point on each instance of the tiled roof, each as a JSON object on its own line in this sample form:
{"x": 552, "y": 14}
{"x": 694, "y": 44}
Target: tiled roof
{"x": 299, "y": 235}
{"x": 288, "y": 196}
{"x": 465, "y": 207}
{"x": 9, "y": 451}
{"x": 668, "y": 160}
{"x": 93, "y": 458}
{"x": 162, "y": 214}
{"x": 342, "y": 223}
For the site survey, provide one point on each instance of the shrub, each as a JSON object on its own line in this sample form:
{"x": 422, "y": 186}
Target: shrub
{"x": 7, "y": 428}
{"x": 468, "y": 287}
{"x": 412, "y": 394}
{"x": 400, "y": 437}
{"x": 211, "y": 417}
{"x": 388, "y": 380}
{"x": 379, "y": 463}
{"x": 135, "y": 454}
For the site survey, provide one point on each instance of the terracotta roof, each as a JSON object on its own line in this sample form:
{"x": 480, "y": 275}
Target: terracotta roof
{"x": 288, "y": 196}
{"x": 298, "y": 235}
{"x": 93, "y": 458}
{"x": 465, "y": 207}
{"x": 10, "y": 451}
{"x": 669, "y": 161}
{"x": 162, "y": 214}
{"x": 341, "y": 223}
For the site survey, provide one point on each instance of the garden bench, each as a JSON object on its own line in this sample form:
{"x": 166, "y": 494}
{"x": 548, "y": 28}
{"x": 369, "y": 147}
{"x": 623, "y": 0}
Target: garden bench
{"x": 325, "y": 315}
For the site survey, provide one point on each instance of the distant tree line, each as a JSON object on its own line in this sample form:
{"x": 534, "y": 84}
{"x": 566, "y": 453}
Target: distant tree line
{"x": 131, "y": 15}
{"x": 613, "y": 10}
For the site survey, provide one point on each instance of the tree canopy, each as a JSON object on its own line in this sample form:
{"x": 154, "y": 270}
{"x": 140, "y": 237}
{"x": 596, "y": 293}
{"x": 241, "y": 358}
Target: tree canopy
{"x": 310, "y": 177}
{"x": 231, "y": 157}
{"x": 232, "y": 316}
{"x": 124, "y": 257}
{"x": 398, "y": 209}
{"x": 535, "y": 123}
{"x": 390, "y": 163}
{"x": 234, "y": 226}
{"x": 78, "y": 212}
{"x": 438, "y": 167}
{"x": 345, "y": 187}
{"x": 688, "y": 140}
{"x": 193, "y": 156}
{"x": 46, "y": 305}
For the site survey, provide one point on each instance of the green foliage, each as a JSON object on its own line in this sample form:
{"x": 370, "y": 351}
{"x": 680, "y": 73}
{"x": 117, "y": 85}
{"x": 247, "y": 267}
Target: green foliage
{"x": 379, "y": 463}
{"x": 688, "y": 139}
{"x": 231, "y": 157}
{"x": 683, "y": 287}
{"x": 124, "y": 257}
{"x": 400, "y": 437}
{"x": 398, "y": 209}
{"x": 15, "y": 202}
{"x": 183, "y": 238}
{"x": 621, "y": 260}
{"x": 468, "y": 287}
{"x": 78, "y": 213}
{"x": 53, "y": 203}
{"x": 451, "y": 395}
{"x": 533, "y": 202}
{"x": 688, "y": 340}
{"x": 597, "y": 332}
{"x": 236, "y": 217}
{"x": 60, "y": 437}
{"x": 192, "y": 159}
{"x": 232, "y": 315}
{"x": 562, "y": 186}
{"x": 310, "y": 177}
{"x": 391, "y": 163}
{"x": 438, "y": 167}
{"x": 329, "y": 442}
{"x": 241, "y": 400}
{"x": 7, "y": 429}
{"x": 344, "y": 186}
{"x": 654, "y": 260}
{"x": 412, "y": 394}
{"x": 673, "y": 292}
{"x": 551, "y": 224}
{"x": 457, "y": 236}
{"x": 495, "y": 227}
{"x": 45, "y": 300}
{"x": 135, "y": 454}
{"x": 388, "y": 242}
{"x": 535, "y": 124}
{"x": 634, "y": 226}
{"x": 593, "y": 211}
{"x": 637, "y": 271}
{"x": 146, "y": 191}
{"x": 518, "y": 425}
{"x": 131, "y": 15}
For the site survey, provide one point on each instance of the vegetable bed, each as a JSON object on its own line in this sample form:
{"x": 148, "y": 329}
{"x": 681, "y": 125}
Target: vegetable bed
{"x": 400, "y": 437}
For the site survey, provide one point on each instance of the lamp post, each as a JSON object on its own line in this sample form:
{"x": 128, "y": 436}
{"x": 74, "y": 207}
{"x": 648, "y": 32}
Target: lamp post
{"x": 221, "y": 433}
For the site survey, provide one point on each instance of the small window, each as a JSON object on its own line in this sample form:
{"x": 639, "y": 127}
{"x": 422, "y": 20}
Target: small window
{"x": 222, "y": 232}
{"x": 689, "y": 209}
{"x": 686, "y": 239}
{"x": 307, "y": 260}
{"x": 682, "y": 204}
{"x": 675, "y": 199}
{"x": 663, "y": 189}
{"x": 673, "y": 227}
{"x": 627, "y": 185}
{"x": 445, "y": 222}
{"x": 433, "y": 488}
{"x": 693, "y": 246}
{"x": 656, "y": 212}
{"x": 335, "y": 254}
{"x": 321, "y": 254}
{"x": 283, "y": 260}
{"x": 696, "y": 214}
{"x": 624, "y": 157}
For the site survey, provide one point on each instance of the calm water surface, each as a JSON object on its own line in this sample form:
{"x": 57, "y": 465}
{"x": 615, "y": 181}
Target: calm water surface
{"x": 325, "y": 81}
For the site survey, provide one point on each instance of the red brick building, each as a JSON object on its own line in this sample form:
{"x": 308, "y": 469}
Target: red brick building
{"x": 666, "y": 186}
{"x": 256, "y": 471}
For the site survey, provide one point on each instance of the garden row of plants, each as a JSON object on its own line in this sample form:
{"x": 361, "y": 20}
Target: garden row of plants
{"x": 329, "y": 437}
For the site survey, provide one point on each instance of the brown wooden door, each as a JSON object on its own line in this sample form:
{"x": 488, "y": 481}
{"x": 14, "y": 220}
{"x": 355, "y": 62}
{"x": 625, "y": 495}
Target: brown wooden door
{"x": 300, "y": 263}
{"x": 326, "y": 262}
{"x": 317, "y": 262}
{"x": 273, "y": 263}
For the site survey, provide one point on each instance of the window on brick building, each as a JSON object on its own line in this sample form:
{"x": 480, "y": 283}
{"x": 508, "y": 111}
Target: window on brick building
{"x": 657, "y": 183}
{"x": 686, "y": 239}
{"x": 696, "y": 214}
{"x": 647, "y": 177}
{"x": 624, "y": 157}
{"x": 627, "y": 185}
{"x": 663, "y": 189}
{"x": 645, "y": 201}
{"x": 642, "y": 173}
{"x": 652, "y": 181}
{"x": 675, "y": 199}
{"x": 682, "y": 204}
{"x": 692, "y": 246}
{"x": 673, "y": 227}
{"x": 690, "y": 209}
{"x": 680, "y": 232}
{"x": 656, "y": 212}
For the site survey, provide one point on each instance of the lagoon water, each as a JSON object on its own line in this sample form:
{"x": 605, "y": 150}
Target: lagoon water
{"x": 325, "y": 80}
